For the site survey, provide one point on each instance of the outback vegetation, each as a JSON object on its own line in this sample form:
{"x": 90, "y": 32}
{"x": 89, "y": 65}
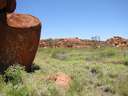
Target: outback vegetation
{"x": 93, "y": 72}
{"x": 62, "y": 67}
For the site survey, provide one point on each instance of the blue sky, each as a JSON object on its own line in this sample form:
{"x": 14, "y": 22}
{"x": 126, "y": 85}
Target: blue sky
{"x": 79, "y": 18}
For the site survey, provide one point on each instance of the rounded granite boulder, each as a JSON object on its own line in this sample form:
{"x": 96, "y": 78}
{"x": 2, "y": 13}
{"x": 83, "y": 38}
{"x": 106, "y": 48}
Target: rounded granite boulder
{"x": 19, "y": 40}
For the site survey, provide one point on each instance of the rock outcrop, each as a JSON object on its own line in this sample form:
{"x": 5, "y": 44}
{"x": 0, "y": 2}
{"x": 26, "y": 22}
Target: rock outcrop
{"x": 19, "y": 38}
{"x": 69, "y": 43}
{"x": 117, "y": 42}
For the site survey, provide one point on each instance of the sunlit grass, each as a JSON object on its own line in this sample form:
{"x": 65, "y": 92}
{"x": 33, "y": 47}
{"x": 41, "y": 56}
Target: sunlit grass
{"x": 94, "y": 72}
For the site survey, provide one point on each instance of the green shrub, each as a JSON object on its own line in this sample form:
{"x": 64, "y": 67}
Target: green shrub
{"x": 14, "y": 74}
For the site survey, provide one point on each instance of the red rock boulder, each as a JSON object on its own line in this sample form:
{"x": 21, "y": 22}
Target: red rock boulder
{"x": 19, "y": 40}
{"x": 8, "y": 5}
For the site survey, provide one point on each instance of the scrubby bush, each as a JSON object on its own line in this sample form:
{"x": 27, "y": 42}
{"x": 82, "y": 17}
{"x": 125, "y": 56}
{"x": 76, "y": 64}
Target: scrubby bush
{"x": 11, "y": 82}
{"x": 60, "y": 55}
{"x": 14, "y": 74}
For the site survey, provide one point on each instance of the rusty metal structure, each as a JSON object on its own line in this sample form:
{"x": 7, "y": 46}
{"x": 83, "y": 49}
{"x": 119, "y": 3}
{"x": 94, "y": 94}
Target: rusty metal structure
{"x": 19, "y": 36}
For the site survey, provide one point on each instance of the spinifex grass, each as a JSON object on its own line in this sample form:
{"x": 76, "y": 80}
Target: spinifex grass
{"x": 94, "y": 72}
